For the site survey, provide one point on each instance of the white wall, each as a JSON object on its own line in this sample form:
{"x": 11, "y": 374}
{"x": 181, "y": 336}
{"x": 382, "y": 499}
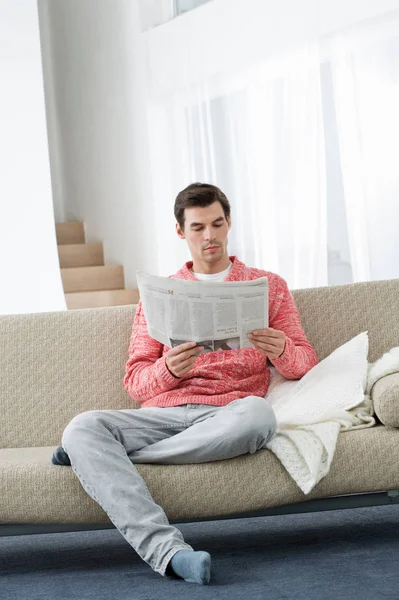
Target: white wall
{"x": 97, "y": 112}
{"x": 154, "y": 12}
{"x": 29, "y": 267}
{"x": 208, "y": 40}
{"x": 53, "y": 125}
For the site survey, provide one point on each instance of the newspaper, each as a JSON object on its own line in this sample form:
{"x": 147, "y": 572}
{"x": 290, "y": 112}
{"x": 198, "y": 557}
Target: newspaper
{"x": 217, "y": 316}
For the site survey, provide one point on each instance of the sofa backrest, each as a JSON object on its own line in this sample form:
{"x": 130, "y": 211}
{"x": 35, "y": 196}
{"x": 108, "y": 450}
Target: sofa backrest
{"x": 333, "y": 315}
{"x": 56, "y": 365}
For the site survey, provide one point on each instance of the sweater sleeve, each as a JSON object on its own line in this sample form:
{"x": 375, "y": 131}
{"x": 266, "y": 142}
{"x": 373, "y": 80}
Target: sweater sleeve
{"x": 298, "y": 356}
{"x": 146, "y": 372}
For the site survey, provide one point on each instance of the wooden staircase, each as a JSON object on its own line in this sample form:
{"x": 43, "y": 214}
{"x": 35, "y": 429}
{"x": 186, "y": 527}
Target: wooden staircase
{"x": 87, "y": 281}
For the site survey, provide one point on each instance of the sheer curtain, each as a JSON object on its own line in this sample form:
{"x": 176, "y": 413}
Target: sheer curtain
{"x": 257, "y": 134}
{"x": 365, "y": 67}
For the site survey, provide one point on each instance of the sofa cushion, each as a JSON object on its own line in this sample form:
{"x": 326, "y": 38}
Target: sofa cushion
{"x": 385, "y": 396}
{"x": 36, "y": 491}
{"x": 335, "y": 383}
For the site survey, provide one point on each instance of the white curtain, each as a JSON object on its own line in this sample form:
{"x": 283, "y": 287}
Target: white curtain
{"x": 258, "y": 135}
{"x": 365, "y": 67}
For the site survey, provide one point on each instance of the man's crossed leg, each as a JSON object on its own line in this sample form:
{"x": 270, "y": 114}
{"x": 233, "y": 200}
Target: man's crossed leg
{"x": 102, "y": 447}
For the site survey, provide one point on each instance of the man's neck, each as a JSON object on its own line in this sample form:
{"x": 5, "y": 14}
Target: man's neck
{"x": 211, "y": 269}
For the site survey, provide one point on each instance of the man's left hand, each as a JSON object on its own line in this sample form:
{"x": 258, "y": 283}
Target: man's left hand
{"x": 270, "y": 342}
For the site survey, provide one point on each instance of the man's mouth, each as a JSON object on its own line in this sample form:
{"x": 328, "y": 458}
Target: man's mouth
{"x": 212, "y": 248}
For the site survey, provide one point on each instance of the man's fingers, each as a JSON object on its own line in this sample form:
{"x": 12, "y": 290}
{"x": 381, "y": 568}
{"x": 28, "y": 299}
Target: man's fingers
{"x": 266, "y": 347}
{"x": 181, "y": 363}
{"x": 184, "y": 354}
{"x": 185, "y": 367}
{"x": 266, "y": 333}
{"x": 264, "y": 340}
{"x": 182, "y": 348}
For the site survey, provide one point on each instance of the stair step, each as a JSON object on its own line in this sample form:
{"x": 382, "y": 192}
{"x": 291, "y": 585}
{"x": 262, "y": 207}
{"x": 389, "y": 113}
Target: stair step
{"x": 101, "y": 298}
{"x": 71, "y": 232}
{"x": 88, "y": 279}
{"x": 81, "y": 255}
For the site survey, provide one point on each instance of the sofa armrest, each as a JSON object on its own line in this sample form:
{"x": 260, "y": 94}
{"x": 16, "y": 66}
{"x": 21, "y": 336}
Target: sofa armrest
{"x": 385, "y": 397}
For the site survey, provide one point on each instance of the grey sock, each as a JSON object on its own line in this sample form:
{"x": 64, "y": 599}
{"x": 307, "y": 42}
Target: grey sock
{"x": 194, "y": 567}
{"x": 60, "y": 457}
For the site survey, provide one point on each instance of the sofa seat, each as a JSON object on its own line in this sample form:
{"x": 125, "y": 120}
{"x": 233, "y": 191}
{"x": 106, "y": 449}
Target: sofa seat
{"x": 36, "y": 491}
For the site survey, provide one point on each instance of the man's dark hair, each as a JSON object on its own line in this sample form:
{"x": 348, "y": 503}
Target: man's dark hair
{"x": 199, "y": 194}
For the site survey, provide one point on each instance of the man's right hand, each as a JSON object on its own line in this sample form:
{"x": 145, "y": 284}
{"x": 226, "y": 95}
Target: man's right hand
{"x": 180, "y": 359}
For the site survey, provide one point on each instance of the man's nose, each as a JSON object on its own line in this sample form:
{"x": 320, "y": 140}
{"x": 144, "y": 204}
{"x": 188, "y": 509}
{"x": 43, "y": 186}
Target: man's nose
{"x": 208, "y": 233}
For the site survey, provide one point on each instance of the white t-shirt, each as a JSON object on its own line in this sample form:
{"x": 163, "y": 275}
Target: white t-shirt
{"x": 214, "y": 276}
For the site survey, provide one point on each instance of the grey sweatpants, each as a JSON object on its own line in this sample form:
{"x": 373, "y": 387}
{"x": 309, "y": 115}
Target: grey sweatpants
{"x": 103, "y": 446}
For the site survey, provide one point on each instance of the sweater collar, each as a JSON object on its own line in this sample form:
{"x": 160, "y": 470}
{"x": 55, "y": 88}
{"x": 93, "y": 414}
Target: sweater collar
{"x": 236, "y": 272}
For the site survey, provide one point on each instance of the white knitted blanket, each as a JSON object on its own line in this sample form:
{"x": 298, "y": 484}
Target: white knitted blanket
{"x": 333, "y": 397}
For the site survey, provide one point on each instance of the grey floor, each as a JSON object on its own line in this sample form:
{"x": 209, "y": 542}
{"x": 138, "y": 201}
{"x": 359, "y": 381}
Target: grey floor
{"x": 331, "y": 555}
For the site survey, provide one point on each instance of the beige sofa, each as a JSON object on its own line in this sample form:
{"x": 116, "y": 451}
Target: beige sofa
{"x": 55, "y": 365}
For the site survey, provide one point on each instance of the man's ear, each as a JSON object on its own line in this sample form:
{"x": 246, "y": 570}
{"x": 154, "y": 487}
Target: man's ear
{"x": 229, "y": 221}
{"x": 180, "y": 232}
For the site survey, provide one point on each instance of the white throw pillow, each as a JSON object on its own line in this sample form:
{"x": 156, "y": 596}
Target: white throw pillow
{"x": 336, "y": 383}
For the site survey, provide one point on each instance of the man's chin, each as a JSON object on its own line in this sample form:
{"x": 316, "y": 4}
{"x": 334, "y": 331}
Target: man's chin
{"x": 211, "y": 257}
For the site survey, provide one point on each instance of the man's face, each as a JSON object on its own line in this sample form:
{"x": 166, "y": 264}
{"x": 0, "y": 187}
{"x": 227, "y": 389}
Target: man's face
{"x": 205, "y": 230}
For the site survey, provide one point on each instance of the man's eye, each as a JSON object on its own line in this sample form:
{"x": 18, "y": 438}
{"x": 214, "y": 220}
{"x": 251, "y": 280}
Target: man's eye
{"x": 218, "y": 225}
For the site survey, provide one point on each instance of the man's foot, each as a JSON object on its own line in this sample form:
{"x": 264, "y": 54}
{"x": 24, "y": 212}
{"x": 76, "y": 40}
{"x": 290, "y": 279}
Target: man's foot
{"x": 60, "y": 457}
{"x": 194, "y": 567}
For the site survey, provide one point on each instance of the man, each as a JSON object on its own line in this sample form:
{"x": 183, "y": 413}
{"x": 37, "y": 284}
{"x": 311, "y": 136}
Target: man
{"x": 194, "y": 408}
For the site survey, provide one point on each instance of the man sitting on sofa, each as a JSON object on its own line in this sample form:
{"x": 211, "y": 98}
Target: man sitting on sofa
{"x": 194, "y": 408}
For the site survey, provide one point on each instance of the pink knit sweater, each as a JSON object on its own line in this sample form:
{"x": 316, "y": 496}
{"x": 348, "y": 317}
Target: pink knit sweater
{"x": 223, "y": 376}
